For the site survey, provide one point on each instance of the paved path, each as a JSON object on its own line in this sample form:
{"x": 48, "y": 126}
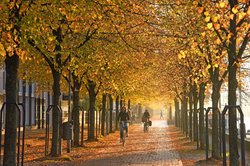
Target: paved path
{"x": 141, "y": 149}
{"x": 151, "y": 148}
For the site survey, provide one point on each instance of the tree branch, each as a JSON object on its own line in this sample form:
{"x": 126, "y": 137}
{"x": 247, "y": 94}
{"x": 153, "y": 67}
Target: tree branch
{"x": 218, "y": 34}
{"x": 66, "y": 60}
{"x": 245, "y": 57}
{"x": 244, "y": 44}
{"x": 177, "y": 94}
{"x": 223, "y": 77}
{"x": 48, "y": 60}
{"x": 29, "y": 5}
{"x": 88, "y": 37}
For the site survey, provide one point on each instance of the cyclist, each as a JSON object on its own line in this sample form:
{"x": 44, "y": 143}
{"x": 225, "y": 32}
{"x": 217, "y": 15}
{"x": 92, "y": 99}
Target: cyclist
{"x": 123, "y": 116}
{"x": 145, "y": 118}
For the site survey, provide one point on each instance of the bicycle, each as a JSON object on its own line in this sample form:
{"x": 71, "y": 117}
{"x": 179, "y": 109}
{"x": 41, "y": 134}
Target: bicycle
{"x": 123, "y": 133}
{"x": 146, "y": 125}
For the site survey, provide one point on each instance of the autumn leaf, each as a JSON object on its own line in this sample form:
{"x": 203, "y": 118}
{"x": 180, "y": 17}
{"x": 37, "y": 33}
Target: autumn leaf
{"x": 209, "y": 66}
{"x": 206, "y": 13}
{"x": 203, "y": 34}
{"x": 51, "y": 38}
{"x": 195, "y": 3}
{"x": 241, "y": 15}
{"x": 235, "y": 9}
{"x": 2, "y": 50}
{"x": 200, "y": 10}
{"x": 194, "y": 45}
{"x": 209, "y": 25}
{"x": 207, "y": 19}
{"x": 178, "y": 2}
{"x": 218, "y": 41}
{"x": 231, "y": 16}
{"x": 204, "y": 73}
{"x": 215, "y": 19}
{"x": 217, "y": 26}
{"x": 222, "y": 4}
{"x": 179, "y": 56}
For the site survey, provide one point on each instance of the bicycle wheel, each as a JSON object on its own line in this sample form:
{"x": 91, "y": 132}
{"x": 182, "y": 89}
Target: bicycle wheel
{"x": 123, "y": 136}
{"x": 146, "y": 126}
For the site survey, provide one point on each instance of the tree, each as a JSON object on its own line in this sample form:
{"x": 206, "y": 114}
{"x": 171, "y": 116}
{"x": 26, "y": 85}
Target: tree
{"x": 54, "y": 30}
{"x": 49, "y": 32}
{"x": 230, "y": 22}
{"x": 11, "y": 13}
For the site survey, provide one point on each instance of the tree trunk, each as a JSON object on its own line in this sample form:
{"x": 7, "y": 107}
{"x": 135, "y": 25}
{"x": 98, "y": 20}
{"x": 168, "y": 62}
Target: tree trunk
{"x": 215, "y": 115}
{"x": 184, "y": 103}
{"x": 111, "y": 112}
{"x": 195, "y": 117}
{"x": 232, "y": 87}
{"x": 128, "y": 103}
{"x": 139, "y": 110}
{"x": 43, "y": 110}
{"x": 182, "y": 117}
{"x": 184, "y": 109}
{"x": 92, "y": 100}
{"x": 201, "y": 116}
{"x": 104, "y": 101}
{"x": 170, "y": 113}
{"x": 116, "y": 111}
{"x": 35, "y": 110}
{"x": 24, "y": 96}
{"x": 39, "y": 112}
{"x": 177, "y": 112}
{"x": 29, "y": 101}
{"x": 190, "y": 112}
{"x": 107, "y": 119}
{"x": 55, "y": 113}
{"x": 11, "y": 112}
{"x": 121, "y": 103}
{"x": 30, "y": 104}
{"x": 76, "y": 114}
{"x": 175, "y": 118}
{"x": 233, "y": 147}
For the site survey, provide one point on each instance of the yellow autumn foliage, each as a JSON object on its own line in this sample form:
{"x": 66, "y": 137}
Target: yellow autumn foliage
{"x": 2, "y": 50}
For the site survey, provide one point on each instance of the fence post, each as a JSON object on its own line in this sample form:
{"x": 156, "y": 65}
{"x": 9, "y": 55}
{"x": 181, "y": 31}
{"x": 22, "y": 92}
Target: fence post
{"x": 19, "y": 131}
{"x": 242, "y": 133}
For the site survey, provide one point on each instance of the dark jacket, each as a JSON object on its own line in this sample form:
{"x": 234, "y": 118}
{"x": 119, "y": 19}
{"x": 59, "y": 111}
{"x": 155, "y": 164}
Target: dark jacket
{"x": 146, "y": 115}
{"x": 123, "y": 116}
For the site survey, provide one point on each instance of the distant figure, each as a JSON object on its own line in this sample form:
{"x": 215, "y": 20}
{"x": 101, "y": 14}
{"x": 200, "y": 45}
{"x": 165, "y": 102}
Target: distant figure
{"x": 161, "y": 115}
{"x": 129, "y": 113}
{"x": 146, "y": 121}
{"x": 145, "y": 116}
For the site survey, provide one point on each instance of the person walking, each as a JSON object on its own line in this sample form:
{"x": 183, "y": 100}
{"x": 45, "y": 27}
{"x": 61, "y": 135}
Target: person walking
{"x": 161, "y": 115}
